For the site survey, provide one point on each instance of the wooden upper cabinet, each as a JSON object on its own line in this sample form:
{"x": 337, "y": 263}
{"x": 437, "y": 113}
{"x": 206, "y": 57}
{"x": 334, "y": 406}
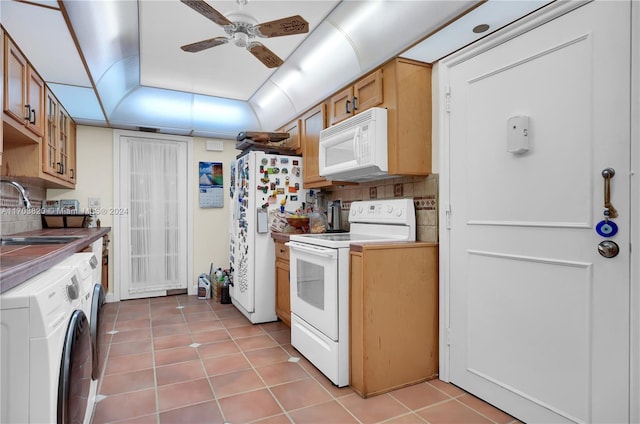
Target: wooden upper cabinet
{"x": 39, "y": 136}
{"x": 407, "y": 98}
{"x": 58, "y": 148}
{"x": 23, "y": 93}
{"x": 314, "y": 121}
{"x": 293, "y": 142}
{"x": 366, "y": 93}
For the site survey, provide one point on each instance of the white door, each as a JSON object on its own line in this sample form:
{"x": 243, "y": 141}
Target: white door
{"x": 153, "y": 234}
{"x": 538, "y": 319}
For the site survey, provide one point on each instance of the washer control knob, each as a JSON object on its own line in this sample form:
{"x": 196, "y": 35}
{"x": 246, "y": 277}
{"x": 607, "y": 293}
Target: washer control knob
{"x": 72, "y": 291}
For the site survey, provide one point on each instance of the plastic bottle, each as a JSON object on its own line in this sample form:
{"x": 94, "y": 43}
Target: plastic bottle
{"x": 225, "y": 297}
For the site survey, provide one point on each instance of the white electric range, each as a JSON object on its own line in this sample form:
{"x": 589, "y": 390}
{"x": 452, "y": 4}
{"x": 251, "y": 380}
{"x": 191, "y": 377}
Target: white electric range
{"x": 319, "y": 275}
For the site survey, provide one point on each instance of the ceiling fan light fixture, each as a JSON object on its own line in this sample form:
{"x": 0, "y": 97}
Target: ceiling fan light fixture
{"x": 241, "y": 31}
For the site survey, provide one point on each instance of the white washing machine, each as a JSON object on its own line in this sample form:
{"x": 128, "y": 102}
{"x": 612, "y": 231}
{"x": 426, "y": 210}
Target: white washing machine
{"x": 89, "y": 270}
{"x": 45, "y": 351}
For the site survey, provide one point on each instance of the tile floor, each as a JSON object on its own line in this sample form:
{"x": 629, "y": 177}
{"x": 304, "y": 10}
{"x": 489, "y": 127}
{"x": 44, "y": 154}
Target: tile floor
{"x": 182, "y": 360}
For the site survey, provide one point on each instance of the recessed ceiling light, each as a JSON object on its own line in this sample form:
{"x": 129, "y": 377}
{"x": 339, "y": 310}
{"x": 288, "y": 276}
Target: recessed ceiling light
{"x": 480, "y": 28}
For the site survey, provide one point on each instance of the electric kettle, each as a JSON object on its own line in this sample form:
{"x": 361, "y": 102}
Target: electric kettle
{"x": 334, "y": 215}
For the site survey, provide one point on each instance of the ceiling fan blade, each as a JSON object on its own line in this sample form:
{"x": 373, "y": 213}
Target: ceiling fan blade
{"x": 204, "y": 44}
{"x": 285, "y": 26}
{"x": 207, "y": 11}
{"x": 264, "y": 55}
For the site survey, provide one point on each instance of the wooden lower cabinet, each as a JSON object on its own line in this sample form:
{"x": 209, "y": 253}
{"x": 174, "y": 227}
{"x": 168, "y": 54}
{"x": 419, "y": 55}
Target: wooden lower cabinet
{"x": 394, "y": 316}
{"x": 283, "y": 291}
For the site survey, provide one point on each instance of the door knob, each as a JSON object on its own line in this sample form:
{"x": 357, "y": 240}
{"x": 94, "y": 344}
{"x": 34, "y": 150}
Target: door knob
{"x": 608, "y": 249}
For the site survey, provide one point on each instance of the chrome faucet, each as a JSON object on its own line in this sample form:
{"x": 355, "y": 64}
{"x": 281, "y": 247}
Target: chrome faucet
{"x": 21, "y": 190}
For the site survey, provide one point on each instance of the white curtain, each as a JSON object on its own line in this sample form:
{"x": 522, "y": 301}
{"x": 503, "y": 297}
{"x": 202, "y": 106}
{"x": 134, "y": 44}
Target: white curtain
{"x": 157, "y": 211}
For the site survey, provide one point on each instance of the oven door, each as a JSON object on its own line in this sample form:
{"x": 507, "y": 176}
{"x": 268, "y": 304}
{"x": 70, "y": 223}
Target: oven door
{"x": 314, "y": 286}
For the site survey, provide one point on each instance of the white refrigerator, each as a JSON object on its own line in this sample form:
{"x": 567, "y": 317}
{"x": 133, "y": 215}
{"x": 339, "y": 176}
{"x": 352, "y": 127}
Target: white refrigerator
{"x": 261, "y": 184}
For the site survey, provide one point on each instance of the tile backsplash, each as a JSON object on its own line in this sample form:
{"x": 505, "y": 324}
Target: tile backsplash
{"x": 14, "y": 218}
{"x": 423, "y": 191}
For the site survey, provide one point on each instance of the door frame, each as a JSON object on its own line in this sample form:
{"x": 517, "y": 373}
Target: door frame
{"x": 529, "y": 22}
{"x": 118, "y": 227}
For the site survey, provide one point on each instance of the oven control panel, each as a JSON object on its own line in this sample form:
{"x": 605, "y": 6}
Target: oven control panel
{"x": 386, "y": 211}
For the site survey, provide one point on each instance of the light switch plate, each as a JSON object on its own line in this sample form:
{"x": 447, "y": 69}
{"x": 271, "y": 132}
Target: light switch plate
{"x": 94, "y": 202}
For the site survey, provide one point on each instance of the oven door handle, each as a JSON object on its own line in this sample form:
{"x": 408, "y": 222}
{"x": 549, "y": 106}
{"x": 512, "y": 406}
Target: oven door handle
{"x": 313, "y": 250}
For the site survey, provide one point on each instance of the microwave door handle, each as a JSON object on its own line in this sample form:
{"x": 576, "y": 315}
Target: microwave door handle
{"x": 356, "y": 145}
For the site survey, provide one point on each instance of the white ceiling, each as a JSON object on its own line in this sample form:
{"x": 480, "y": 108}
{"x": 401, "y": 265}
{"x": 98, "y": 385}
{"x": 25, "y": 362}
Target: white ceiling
{"x": 223, "y": 71}
{"x": 136, "y": 75}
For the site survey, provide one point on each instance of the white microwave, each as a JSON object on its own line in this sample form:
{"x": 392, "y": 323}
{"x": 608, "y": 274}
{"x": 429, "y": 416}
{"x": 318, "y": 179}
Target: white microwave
{"x": 356, "y": 148}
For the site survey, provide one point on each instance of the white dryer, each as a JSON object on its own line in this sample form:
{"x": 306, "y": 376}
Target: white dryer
{"x": 45, "y": 351}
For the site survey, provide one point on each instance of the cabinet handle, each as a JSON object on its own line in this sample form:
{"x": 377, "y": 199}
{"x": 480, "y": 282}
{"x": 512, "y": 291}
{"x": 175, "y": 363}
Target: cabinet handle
{"x": 32, "y": 120}
{"x": 348, "y": 102}
{"x": 27, "y": 112}
{"x": 355, "y": 103}
{"x": 73, "y": 173}
{"x": 59, "y": 167}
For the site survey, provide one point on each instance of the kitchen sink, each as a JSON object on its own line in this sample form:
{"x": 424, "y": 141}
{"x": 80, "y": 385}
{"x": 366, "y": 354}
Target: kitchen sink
{"x": 13, "y": 241}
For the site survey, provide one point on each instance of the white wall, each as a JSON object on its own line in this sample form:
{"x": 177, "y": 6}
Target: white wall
{"x": 94, "y": 165}
{"x": 211, "y": 225}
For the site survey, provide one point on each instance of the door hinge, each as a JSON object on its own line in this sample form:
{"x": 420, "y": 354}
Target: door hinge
{"x": 448, "y": 336}
{"x": 447, "y": 214}
{"x": 447, "y": 100}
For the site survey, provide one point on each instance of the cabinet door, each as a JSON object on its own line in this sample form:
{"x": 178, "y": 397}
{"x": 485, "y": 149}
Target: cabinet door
{"x": 15, "y": 74}
{"x": 367, "y": 92}
{"x": 283, "y": 292}
{"x": 63, "y": 143}
{"x": 71, "y": 152}
{"x": 50, "y": 144}
{"x": 293, "y": 142}
{"x": 35, "y": 107}
{"x": 341, "y": 106}
{"x": 311, "y": 124}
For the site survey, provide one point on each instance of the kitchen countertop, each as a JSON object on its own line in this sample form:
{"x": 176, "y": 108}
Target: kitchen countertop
{"x": 19, "y": 263}
{"x": 284, "y": 237}
{"x": 391, "y": 244}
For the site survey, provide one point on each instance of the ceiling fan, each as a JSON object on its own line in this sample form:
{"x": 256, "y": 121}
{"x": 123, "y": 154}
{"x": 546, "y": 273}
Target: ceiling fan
{"x": 242, "y": 31}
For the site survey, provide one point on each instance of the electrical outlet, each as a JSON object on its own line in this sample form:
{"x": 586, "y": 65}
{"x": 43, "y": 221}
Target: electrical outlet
{"x": 373, "y": 192}
{"x": 397, "y": 190}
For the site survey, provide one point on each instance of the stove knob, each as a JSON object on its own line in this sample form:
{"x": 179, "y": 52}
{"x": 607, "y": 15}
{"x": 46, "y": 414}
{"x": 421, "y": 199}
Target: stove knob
{"x": 399, "y": 212}
{"x": 389, "y": 209}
